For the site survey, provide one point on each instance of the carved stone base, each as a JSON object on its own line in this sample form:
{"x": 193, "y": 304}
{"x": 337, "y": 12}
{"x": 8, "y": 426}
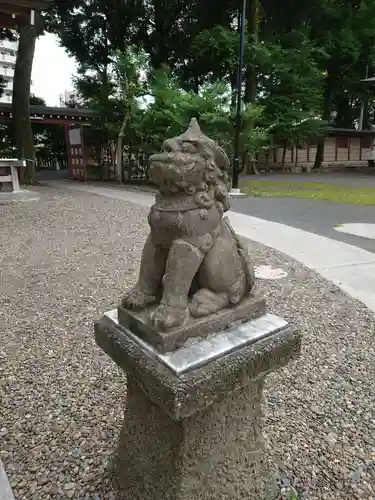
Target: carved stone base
{"x": 217, "y": 455}
{"x": 192, "y": 425}
{"x": 250, "y": 308}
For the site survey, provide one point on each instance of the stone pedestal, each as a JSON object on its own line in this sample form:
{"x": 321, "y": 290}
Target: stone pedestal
{"x": 192, "y": 427}
{"x": 5, "y": 489}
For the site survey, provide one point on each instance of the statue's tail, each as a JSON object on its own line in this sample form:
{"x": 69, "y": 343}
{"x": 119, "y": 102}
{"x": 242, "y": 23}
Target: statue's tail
{"x": 244, "y": 254}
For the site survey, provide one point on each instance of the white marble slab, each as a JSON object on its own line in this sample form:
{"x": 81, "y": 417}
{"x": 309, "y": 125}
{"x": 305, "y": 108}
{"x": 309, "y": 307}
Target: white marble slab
{"x": 198, "y": 352}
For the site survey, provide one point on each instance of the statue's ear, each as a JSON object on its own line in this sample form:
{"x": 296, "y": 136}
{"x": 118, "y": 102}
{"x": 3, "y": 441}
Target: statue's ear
{"x": 203, "y": 149}
{"x": 171, "y": 146}
{"x": 221, "y": 158}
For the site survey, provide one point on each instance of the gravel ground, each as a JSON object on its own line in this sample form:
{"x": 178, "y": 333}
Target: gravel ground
{"x": 64, "y": 261}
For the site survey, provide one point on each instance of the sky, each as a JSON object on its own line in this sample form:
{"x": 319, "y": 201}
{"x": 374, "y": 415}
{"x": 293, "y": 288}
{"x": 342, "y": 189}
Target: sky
{"x": 52, "y": 70}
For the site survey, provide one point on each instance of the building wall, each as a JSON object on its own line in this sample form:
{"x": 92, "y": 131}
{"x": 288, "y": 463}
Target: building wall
{"x": 68, "y": 96}
{"x": 337, "y": 151}
{"x": 8, "y": 55}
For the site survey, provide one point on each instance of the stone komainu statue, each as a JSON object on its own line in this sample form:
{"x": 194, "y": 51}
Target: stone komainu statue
{"x": 193, "y": 264}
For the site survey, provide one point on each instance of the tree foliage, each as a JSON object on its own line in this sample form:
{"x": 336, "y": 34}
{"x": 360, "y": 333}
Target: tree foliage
{"x": 198, "y": 41}
{"x": 304, "y": 62}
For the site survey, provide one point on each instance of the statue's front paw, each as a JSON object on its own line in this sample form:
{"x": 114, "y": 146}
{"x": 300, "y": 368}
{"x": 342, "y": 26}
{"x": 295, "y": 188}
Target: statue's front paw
{"x": 135, "y": 299}
{"x": 165, "y": 318}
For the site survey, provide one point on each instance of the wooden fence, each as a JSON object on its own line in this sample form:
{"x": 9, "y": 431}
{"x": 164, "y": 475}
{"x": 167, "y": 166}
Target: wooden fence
{"x": 50, "y": 163}
{"x": 135, "y": 165}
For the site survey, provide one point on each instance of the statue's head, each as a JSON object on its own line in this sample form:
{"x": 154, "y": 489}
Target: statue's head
{"x": 193, "y": 164}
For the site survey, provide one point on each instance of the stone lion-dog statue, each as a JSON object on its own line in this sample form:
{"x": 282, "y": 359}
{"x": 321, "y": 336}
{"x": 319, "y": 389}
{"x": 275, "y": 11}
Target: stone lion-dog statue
{"x": 193, "y": 264}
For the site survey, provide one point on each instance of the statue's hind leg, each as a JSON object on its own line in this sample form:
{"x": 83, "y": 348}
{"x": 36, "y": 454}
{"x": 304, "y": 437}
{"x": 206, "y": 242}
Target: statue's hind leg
{"x": 222, "y": 277}
{"x": 206, "y": 302}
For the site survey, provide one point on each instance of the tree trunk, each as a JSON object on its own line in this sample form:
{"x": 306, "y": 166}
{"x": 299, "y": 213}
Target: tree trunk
{"x": 233, "y": 84}
{"x": 327, "y": 108}
{"x": 21, "y": 98}
{"x": 119, "y": 149}
{"x": 344, "y": 117}
{"x": 196, "y": 84}
{"x": 253, "y": 10}
{"x": 284, "y": 155}
{"x": 319, "y": 157}
{"x": 251, "y": 167}
{"x": 366, "y": 115}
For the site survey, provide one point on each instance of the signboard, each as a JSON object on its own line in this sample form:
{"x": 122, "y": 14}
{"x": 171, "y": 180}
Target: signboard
{"x": 77, "y": 165}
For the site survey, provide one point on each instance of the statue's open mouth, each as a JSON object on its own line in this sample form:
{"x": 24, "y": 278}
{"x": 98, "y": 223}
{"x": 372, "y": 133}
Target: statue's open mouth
{"x": 175, "y": 168}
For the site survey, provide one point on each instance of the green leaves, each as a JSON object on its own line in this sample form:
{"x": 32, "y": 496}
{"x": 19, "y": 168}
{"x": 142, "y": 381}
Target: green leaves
{"x": 171, "y": 108}
{"x": 303, "y": 61}
{"x": 217, "y": 49}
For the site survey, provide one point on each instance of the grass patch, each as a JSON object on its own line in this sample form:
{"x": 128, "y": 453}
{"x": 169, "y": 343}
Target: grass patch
{"x": 337, "y": 193}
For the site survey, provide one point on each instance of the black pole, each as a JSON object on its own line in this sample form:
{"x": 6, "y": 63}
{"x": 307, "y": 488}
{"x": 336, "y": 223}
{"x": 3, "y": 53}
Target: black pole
{"x": 236, "y": 159}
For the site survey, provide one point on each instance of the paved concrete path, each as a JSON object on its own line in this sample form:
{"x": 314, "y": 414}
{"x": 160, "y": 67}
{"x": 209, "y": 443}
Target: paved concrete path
{"x": 365, "y": 230}
{"x": 354, "y": 179}
{"x": 349, "y": 267}
{"x": 319, "y": 217}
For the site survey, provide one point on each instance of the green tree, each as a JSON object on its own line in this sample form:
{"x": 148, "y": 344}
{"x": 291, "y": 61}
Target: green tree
{"x": 129, "y": 73}
{"x": 344, "y": 34}
{"x": 303, "y": 61}
{"x": 172, "y": 108}
{"x": 92, "y": 32}
{"x": 37, "y": 101}
{"x": 215, "y": 52}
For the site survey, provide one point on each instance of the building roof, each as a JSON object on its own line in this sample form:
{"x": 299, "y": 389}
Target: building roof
{"x": 16, "y": 5}
{"x": 48, "y": 114}
{"x": 15, "y": 12}
{"x": 369, "y": 81}
{"x": 350, "y": 132}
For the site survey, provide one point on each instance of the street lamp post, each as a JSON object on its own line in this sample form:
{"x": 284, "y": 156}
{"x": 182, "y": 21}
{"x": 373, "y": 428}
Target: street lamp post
{"x": 236, "y": 156}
